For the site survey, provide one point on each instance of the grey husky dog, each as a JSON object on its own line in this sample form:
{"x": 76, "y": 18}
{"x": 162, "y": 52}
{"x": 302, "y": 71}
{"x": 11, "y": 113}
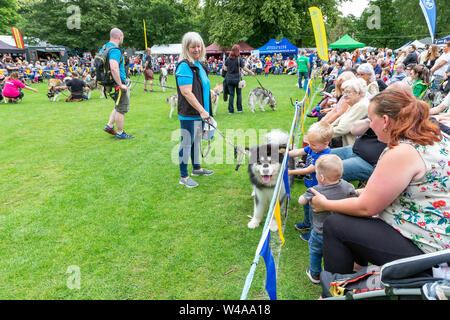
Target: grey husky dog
{"x": 262, "y": 97}
{"x": 265, "y": 165}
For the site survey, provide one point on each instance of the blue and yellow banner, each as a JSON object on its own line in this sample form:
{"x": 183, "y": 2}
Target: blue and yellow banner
{"x": 319, "y": 33}
{"x": 271, "y": 275}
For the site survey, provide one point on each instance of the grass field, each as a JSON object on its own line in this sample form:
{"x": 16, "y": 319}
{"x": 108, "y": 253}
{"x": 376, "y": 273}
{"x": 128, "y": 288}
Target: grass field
{"x": 74, "y": 198}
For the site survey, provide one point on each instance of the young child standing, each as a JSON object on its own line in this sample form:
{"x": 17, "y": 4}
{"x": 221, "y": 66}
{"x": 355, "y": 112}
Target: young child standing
{"x": 318, "y": 137}
{"x": 329, "y": 169}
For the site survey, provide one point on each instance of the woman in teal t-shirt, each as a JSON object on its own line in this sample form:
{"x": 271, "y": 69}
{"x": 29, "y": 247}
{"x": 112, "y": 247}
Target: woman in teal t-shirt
{"x": 194, "y": 102}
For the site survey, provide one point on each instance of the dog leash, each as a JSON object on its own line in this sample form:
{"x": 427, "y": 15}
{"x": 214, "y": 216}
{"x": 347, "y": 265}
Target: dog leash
{"x": 154, "y": 84}
{"x": 239, "y": 154}
{"x": 260, "y": 83}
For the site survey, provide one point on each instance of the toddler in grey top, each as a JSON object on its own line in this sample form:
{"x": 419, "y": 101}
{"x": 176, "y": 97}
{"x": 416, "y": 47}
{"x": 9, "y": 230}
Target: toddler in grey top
{"x": 329, "y": 170}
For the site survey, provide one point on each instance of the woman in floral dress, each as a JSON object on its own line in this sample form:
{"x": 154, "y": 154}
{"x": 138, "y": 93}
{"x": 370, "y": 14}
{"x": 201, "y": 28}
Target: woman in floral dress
{"x": 404, "y": 210}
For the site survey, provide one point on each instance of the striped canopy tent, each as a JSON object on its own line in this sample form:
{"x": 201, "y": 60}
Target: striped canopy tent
{"x": 347, "y": 42}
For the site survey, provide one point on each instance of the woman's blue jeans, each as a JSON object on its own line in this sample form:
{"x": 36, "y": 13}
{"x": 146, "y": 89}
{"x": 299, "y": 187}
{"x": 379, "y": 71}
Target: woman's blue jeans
{"x": 191, "y": 135}
{"x": 355, "y": 168}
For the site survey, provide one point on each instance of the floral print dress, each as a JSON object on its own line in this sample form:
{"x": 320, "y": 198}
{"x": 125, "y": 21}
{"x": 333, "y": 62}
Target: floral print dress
{"x": 422, "y": 212}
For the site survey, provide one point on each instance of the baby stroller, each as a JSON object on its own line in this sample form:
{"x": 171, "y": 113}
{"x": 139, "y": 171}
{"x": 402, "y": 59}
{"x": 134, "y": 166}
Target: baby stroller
{"x": 423, "y": 277}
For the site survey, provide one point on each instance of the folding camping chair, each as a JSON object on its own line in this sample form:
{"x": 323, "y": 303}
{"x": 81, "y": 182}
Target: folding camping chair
{"x": 420, "y": 277}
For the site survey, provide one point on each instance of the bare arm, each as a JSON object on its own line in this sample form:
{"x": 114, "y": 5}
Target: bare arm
{"x": 303, "y": 171}
{"x": 115, "y": 71}
{"x": 31, "y": 89}
{"x": 248, "y": 70}
{"x": 436, "y": 67}
{"x": 381, "y": 189}
{"x": 297, "y": 153}
{"x": 360, "y": 127}
{"x": 302, "y": 200}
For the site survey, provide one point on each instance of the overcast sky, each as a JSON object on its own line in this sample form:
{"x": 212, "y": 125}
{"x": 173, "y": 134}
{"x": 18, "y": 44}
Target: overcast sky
{"x": 355, "y": 7}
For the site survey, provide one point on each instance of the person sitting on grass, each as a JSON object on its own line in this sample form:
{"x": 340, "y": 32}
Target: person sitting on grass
{"x": 329, "y": 169}
{"x": 76, "y": 87}
{"x": 12, "y": 89}
{"x": 318, "y": 137}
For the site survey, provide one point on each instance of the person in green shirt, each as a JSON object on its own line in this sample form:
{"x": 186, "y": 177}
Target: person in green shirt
{"x": 421, "y": 78}
{"x": 303, "y": 69}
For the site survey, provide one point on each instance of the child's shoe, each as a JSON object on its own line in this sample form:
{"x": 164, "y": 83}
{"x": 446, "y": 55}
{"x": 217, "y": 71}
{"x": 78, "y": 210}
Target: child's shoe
{"x": 314, "y": 278}
{"x": 305, "y": 236}
{"x": 302, "y": 227}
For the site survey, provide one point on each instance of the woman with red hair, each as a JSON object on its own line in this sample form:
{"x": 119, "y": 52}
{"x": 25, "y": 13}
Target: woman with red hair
{"x": 233, "y": 65}
{"x": 404, "y": 210}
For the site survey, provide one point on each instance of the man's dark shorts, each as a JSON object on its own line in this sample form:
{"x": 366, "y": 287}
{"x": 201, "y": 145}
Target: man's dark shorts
{"x": 122, "y": 101}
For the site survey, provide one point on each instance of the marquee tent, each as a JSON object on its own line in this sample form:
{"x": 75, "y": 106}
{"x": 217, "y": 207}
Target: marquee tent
{"x": 6, "y": 48}
{"x": 167, "y": 49}
{"x": 214, "y": 48}
{"x": 346, "y": 42}
{"x": 274, "y": 46}
{"x": 245, "y": 48}
{"x": 443, "y": 40}
{"x": 417, "y": 43}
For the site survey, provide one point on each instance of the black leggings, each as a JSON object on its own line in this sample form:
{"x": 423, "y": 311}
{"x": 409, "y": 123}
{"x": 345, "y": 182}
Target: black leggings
{"x": 349, "y": 239}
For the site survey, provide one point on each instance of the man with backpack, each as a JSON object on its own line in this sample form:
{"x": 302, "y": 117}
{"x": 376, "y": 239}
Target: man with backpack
{"x": 111, "y": 74}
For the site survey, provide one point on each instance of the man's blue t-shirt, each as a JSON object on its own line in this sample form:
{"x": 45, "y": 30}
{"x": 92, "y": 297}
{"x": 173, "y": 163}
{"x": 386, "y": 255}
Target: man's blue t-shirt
{"x": 311, "y": 158}
{"x": 116, "y": 55}
{"x": 185, "y": 77}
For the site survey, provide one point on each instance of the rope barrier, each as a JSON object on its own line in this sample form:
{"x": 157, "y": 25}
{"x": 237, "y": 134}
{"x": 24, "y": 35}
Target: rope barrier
{"x": 299, "y": 117}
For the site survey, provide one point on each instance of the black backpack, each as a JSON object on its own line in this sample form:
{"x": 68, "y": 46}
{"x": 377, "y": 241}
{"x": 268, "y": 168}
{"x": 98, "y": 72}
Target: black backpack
{"x": 102, "y": 68}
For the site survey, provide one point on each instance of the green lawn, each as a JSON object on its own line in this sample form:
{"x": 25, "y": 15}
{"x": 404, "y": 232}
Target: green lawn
{"x": 72, "y": 195}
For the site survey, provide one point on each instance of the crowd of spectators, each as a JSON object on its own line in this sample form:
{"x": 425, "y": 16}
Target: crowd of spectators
{"x": 382, "y": 109}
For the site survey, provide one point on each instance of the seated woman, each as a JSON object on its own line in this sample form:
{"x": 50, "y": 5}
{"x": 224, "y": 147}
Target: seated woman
{"x": 366, "y": 72}
{"x": 355, "y": 97}
{"x": 336, "y": 110}
{"x": 12, "y": 88}
{"x": 404, "y": 209}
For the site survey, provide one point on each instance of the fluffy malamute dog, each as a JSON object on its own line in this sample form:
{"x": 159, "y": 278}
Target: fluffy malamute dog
{"x": 163, "y": 79}
{"x": 265, "y": 165}
{"x": 262, "y": 97}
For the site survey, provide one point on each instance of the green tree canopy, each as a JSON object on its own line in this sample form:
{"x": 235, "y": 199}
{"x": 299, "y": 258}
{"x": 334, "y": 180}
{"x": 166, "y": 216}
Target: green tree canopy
{"x": 9, "y": 15}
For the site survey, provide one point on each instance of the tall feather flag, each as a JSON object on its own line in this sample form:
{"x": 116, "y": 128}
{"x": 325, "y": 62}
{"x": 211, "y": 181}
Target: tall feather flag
{"x": 319, "y": 33}
{"x": 145, "y": 33}
{"x": 429, "y": 11}
{"x": 18, "y": 38}
{"x": 271, "y": 276}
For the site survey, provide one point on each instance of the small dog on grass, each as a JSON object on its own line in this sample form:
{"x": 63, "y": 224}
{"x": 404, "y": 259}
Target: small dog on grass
{"x": 262, "y": 97}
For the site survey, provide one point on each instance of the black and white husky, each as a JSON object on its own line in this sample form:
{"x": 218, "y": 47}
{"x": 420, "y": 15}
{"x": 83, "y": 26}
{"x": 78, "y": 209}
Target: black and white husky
{"x": 265, "y": 165}
{"x": 262, "y": 97}
{"x": 163, "y": 79}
